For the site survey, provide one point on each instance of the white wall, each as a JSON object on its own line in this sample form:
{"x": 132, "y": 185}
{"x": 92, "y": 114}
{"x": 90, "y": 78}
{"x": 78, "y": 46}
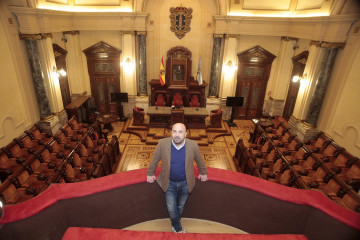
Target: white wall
{"x": 18, "y": 106}
{"x": 340, "y": 114}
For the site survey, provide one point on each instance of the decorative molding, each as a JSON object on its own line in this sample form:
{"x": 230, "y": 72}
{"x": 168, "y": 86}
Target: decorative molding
{"x": 34, "y": 20}
{"x": 128, "y": 32}
{"x": 216, "y": 35}
{"x": 302, "y": 61}
{"x": 12, "y": 119}
{"x": 334, "y": 28}
{"x": 141, "y": 33}
{"x": 345, "y": 128}
{"x": 256, "y": 54}
{"x": 316, "y": 43}
{"x": 59, "y": 113}
{"x": 180, "y": 20}
{"x": 330, "y": 45}
{"x": 75, "y": 32}
{"x": 284, "y": 38}
{"x": 48, "y": 118}
{"x": 38, "y": 36}
{"x": 308, "y": 125}
{"x": 102, "y": 49}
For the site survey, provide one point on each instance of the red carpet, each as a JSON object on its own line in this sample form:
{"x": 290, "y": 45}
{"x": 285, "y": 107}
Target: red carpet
{"x": 99, "y": 233}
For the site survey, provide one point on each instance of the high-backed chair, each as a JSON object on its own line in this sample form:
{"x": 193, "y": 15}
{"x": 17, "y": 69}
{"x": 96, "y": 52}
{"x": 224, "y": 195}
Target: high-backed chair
{"x": 160, "y": 101}
{"x": 138, "y": 114}
{"x": 177, "y": 100}
{"x": 215, "y": 117}
{"x": 194, "y": 102}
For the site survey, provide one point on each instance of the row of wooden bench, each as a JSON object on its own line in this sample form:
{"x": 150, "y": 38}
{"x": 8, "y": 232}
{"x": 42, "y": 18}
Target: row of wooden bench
{"x": 33, "y": 161}
{"x": 277, "y": 155}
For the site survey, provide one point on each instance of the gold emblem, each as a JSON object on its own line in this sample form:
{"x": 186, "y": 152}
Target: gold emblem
{"x": 180, "y": 19}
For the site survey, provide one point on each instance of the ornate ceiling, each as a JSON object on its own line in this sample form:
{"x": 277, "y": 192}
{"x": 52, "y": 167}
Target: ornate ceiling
{"x": 263, "y": 8}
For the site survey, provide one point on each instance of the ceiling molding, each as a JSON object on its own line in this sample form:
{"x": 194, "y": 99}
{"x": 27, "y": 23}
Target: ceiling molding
{"x": 331, "y": 28}
{"x": 32, "y": 21}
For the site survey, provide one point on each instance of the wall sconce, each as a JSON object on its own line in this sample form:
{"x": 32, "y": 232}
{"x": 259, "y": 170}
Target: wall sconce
{"x": 127, "y": 64}
{"x": 297, "y": 78}
{"x": 230, "y": 67}
{"x": 60, "y": 72}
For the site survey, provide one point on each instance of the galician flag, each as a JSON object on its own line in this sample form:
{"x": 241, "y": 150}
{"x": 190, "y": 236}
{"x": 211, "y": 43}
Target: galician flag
{"x": 199, "y": 76}
{"x": 162, "y": 72}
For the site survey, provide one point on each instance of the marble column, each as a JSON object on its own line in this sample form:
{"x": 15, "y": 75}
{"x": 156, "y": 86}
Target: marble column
{"x": 37, "y": 75}
{"x": 321, "y": 86}
{"x": 141, "y": 63}
{"x": 215, "y": 66}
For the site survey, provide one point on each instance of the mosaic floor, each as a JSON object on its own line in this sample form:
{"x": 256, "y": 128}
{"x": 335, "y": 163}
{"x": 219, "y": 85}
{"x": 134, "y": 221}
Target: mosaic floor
{"x": 217, "y": 150}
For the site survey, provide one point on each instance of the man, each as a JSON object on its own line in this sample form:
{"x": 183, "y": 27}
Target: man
{"x": 176, "y": 178}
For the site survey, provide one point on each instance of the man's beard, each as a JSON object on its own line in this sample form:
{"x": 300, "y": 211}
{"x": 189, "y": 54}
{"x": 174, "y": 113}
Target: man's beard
{"x": 178, "y": 140}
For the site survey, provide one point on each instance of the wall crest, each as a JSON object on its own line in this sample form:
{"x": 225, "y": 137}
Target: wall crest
{"x": 180, "y": 19}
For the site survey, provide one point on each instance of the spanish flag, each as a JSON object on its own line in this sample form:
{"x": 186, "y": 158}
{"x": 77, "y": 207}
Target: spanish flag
{"x": 162, "y": 72}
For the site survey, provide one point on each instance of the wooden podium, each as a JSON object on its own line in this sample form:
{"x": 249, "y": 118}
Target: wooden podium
{"x": 177, "y": 116}
{"x": 178, "y": 79}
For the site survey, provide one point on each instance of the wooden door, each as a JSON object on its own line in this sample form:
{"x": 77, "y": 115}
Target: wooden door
{"x": 60, "y": 56}
{"x": 104, "y": 71}
{"x": 299, "y": 62}
{"x": 253, "y": 74}
{"x": 104, "y": 86}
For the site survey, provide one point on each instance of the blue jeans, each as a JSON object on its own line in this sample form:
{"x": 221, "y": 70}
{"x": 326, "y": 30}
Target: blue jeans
{"x": 176, "y": 196}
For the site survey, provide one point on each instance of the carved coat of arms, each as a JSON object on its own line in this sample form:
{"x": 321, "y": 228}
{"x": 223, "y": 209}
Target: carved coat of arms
{"x": 180, "y": 19}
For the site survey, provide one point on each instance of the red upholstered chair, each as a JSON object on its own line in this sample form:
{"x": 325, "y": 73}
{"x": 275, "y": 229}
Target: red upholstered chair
{"x": 160, "y": 101}
{"x": 194, "y": 101}
{"x": 138, "y": 114}
{"x": 177, "y": 100}
{"x": 215, "y": 117}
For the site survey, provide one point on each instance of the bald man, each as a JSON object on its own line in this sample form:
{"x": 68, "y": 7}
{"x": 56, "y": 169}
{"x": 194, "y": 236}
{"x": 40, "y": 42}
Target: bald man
{"x": 177, "y": 178}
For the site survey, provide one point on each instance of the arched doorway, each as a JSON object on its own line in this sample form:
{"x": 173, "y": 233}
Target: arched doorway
{"x": 253, "y": 75}
{"x": 104, "y": 71}
{"x": 299, "y": 62}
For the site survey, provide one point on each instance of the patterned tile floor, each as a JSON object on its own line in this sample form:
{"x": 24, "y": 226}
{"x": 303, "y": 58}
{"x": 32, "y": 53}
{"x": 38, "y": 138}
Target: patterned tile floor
{"x": 135, "y": 154}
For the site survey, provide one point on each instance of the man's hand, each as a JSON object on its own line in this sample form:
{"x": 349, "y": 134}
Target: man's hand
{"x": 203, "y": 178}
{"x": 150, "y": 179}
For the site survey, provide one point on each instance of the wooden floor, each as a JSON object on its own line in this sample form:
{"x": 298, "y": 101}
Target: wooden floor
{"x": 216, "y": 145}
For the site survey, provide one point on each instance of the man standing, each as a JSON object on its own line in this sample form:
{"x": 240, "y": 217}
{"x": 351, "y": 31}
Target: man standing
{"x": 177, "y": 178}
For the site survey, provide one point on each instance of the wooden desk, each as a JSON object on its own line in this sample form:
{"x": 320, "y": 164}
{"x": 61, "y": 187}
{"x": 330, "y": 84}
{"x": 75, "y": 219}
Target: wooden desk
{"x": 195, "y": 117}
{"x": 79, "y": 108}
{"x": 107, "y": 120}
{"x": 159, "y": 116}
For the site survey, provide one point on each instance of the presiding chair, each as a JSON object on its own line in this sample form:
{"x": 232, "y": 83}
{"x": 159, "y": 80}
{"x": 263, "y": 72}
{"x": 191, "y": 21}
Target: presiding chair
{"x": 194, "y": 102}
{"x": 160, "y": 101}
{"x": 215, "y": 117}
{"x": 177, "y": 100}
{"x": 138, "y": 114}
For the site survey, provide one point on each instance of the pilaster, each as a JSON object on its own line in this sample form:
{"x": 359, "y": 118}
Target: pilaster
{"x": 76, "y": 74}
{"x": 279, "y": 84}
{"x": 228, "y": 73}
{"x": 46, "y": 82}
{"x": 141, "y": 64}
{"x": 312, "y": 90}
{"x": 128, "y": 73}
{"x": 215, "y": 73}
